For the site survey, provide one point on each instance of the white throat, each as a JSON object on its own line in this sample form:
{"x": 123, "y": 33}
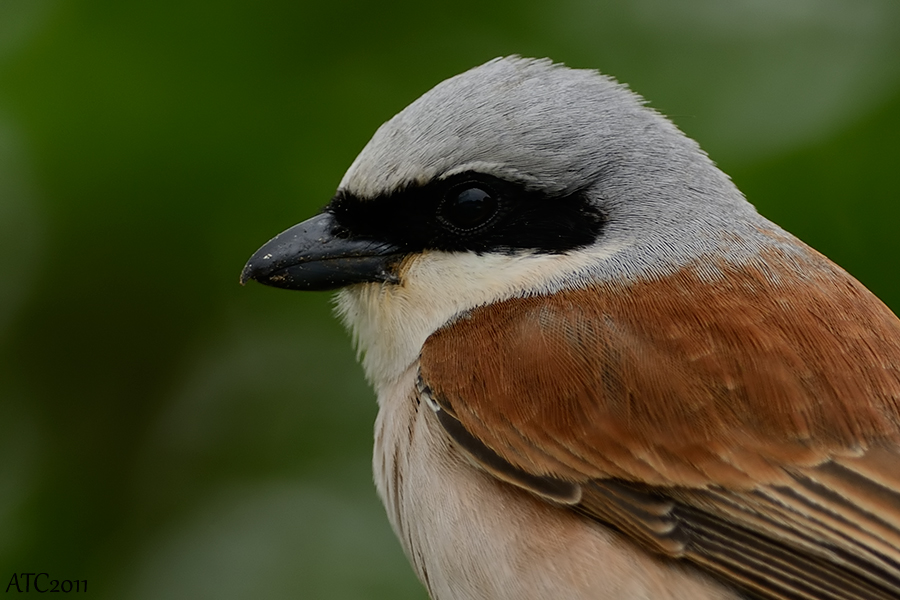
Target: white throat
{"x": 390, "y": 322}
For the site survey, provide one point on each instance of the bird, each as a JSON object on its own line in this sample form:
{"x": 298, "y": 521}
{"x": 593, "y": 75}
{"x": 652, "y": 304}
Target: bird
{"x": 600, "y": 372}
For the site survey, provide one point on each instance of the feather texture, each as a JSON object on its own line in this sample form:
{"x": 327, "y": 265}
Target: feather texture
{"x": 746, "y": 422}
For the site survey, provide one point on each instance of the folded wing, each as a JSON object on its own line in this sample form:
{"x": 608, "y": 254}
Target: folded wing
{"x": 745, "y": 422}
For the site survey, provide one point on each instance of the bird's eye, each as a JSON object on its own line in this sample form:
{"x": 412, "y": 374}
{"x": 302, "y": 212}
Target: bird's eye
{"x": 468, "y": 207}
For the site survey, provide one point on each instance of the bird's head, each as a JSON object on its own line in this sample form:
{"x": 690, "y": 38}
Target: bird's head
{"x": 519, "y": 177}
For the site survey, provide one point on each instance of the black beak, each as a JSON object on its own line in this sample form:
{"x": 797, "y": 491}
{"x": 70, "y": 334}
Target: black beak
{"x": 310, "y": 256}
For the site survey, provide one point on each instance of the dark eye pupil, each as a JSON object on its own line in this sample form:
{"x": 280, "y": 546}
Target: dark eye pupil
{"x": 469, "y": 208}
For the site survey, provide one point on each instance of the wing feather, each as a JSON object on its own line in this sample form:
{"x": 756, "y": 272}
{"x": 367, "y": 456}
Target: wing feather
{"x": 750, "y": 425}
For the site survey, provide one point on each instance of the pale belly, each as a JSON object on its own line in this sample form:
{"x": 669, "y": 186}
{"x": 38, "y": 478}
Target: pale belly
{"x": 471, "y": 537}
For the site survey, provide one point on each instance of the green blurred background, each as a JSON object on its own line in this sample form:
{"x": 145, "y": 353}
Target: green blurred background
{"x": 166, "y": 433}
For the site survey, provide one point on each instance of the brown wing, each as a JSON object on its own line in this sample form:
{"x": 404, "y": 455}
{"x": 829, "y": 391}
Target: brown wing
{"x": 747, "y": 421}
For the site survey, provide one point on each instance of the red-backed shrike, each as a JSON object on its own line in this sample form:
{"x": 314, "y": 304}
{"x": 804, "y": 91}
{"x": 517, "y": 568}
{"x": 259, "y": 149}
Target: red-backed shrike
{"x": 600, "y": 372}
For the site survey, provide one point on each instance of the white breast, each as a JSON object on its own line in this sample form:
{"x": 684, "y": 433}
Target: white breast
{"x": 471, "y": 537}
